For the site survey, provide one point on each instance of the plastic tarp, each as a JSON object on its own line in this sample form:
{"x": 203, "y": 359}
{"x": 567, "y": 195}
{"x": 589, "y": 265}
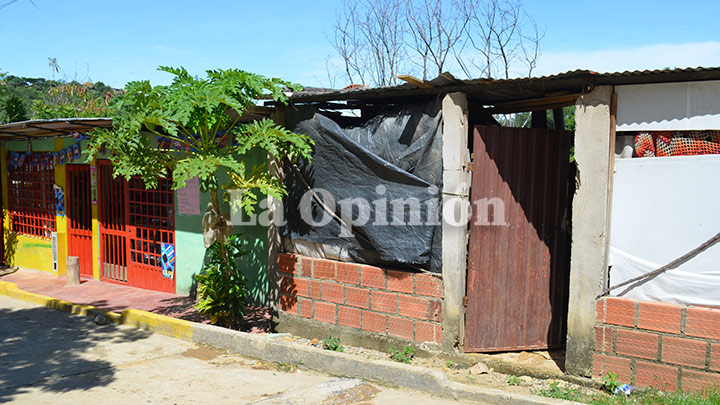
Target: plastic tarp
{"x": 393, "y": 162}
{"x": 698, "y": 287}
{"x": 663, "y": 208}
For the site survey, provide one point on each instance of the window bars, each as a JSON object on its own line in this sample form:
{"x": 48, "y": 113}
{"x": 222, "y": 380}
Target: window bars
{"x": 31, "y": 198}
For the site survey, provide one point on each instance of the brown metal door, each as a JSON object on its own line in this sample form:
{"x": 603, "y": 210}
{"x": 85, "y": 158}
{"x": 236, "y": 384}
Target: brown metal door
{"x": 518, "y": 264}
{"x": 79, "y": 216}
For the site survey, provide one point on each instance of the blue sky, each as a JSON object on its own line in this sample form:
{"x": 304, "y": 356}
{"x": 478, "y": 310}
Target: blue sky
{"x": 119, "y": 41}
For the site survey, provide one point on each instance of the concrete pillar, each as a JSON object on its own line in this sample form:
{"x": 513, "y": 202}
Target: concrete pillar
{"x": 590, "y": 210}
{"x": 456, "y": 186}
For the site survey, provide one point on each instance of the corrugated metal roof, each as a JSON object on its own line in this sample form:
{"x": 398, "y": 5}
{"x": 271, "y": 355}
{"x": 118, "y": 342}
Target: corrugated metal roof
{"x": 52, "y": 128}
{"x": 497, "y": 90}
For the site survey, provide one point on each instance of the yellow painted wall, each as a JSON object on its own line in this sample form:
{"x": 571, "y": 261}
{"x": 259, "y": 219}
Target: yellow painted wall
{"x": 4, "y": 185}
{"x": 34, "y": 253}
{"x": 95, "y": 229}
{"x": 61, "y": 220}
{"x": 30, "y": 252}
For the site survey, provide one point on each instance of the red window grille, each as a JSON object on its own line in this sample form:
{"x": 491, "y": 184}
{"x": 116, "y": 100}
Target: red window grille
{"x": 31, "y": 198}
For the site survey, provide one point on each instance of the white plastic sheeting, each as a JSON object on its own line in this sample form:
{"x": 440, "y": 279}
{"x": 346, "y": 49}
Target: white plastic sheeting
{"x": 669, "y": 106}
{"x": 663, "y": 208}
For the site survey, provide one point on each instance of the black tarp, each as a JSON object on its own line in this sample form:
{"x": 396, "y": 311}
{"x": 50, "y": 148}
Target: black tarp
{"x": 400, "y": 151}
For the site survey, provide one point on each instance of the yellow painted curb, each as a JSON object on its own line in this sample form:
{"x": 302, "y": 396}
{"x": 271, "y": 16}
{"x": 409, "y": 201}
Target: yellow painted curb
{"x": 11, "y": 290}
{"x": 5, "y": 286}
{"x": 165, "y": 325}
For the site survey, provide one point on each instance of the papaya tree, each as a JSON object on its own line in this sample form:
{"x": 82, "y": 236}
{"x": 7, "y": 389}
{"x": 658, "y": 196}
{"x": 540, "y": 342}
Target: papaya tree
{"x": 194, "y": 127}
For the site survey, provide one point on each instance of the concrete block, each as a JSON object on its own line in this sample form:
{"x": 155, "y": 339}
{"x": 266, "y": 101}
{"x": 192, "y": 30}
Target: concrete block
{"x": 73, "y": 271}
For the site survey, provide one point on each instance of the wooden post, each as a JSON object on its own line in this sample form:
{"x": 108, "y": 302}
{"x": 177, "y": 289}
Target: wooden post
{"x": 538, "y": 119}
{"x": 73, "y": 271}
{"x": 559, "y": 118}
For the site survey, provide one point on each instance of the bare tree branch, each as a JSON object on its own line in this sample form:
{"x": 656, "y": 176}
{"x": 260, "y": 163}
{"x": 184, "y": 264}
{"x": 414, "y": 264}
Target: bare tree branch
{"x": 380, "y": 39}
{"x": 436, "y": 28}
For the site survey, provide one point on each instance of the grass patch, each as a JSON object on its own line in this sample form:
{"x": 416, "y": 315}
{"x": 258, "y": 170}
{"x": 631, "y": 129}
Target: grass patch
{"x": 708, "y": 396}
{"x": 556, "y": 390}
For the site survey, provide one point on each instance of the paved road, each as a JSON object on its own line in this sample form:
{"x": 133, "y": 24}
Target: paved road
{"x": 50, "y": 357}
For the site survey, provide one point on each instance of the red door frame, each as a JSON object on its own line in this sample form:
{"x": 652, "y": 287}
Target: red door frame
{"x": 79, "y": 216}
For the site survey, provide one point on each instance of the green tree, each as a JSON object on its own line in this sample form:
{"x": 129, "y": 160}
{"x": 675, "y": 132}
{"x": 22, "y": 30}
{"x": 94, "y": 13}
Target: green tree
{"x": 201, "y": 117}
{"x": 71, "y": 100}
{"x": 45, "y": 99}
{"x": 15, "y": 109}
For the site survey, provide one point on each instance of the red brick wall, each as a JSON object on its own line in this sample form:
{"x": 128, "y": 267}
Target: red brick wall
{"x": 399, "y": 304}
{"x": 654, "y": 344}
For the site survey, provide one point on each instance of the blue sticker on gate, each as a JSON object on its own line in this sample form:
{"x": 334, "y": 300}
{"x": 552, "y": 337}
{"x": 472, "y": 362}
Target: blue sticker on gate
{"x": 167, "y": 260}
{"x": 59, "y": 200}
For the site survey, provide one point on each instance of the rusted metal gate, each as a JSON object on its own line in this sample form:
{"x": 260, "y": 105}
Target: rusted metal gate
{"x": 518, "y": 264}
{"x": 134, "y": 222}
{"x": 79, "y": 216}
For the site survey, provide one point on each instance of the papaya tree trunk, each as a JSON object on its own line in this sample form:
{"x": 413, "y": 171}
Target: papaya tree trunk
{"x": 214, "y": 198}
{"x": 229, "y": 322}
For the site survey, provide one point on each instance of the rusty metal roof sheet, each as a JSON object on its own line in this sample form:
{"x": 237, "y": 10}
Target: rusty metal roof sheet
{"x": 52, "y": 128}
{"x": 498, "y": 90}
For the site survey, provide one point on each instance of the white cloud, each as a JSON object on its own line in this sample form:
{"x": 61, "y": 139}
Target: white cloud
{"x": 661, "y": 56}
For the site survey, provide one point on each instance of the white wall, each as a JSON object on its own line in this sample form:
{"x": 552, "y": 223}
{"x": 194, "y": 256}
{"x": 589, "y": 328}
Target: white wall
{"x": 663, "y": 208}
{"x": 669, "y": 106}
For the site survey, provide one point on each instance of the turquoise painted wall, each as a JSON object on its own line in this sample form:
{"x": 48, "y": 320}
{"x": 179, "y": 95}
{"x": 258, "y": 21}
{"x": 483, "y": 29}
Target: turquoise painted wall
{"x": 190, "y": 248}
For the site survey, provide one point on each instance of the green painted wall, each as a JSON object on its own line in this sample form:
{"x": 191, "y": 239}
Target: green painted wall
{"x": 190, "y": 248}
{"x": 38, "y": 145}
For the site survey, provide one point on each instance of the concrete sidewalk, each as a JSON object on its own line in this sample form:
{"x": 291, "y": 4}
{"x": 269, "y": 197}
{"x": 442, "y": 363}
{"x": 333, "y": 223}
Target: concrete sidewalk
{"x": 271, "y": 349}
{"x": 116, "y": 298}
{"x": 49, "y": 357}
{"x": 107, "y": 296}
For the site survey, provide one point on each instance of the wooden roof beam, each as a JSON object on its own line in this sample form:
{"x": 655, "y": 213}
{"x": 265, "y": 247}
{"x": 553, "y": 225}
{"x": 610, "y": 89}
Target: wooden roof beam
{"x": 544, "y": 103}
{"x": 419, "y": 83}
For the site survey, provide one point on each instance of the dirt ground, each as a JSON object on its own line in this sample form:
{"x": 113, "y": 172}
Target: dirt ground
{"x": 51, "y": 357}
{"x": 478, "y": 373}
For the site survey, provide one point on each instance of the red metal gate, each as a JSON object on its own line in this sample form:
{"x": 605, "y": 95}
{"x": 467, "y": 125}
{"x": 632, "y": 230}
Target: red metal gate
{"x": 518, "y": 266}
{"x": 134, "y": 223}
{"x": 79, "y": 216}
{"x": 151, "y": 223}
{"x": 112, "y": 194}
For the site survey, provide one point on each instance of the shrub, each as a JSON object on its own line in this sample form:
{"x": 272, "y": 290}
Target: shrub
{"x": 404, "y": 356}
{"x": 332, "y": 343}
{"x": 221, "y": 287}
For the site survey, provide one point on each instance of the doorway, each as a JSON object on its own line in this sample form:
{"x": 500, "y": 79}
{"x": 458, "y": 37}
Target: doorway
{"x": 136, "y": 224}
{"x": 518, "y": 262}
{"x": 79, "y": 216}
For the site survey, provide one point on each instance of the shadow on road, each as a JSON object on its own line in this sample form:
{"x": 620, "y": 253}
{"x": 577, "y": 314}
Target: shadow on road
{"x": 42, "y": 347}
